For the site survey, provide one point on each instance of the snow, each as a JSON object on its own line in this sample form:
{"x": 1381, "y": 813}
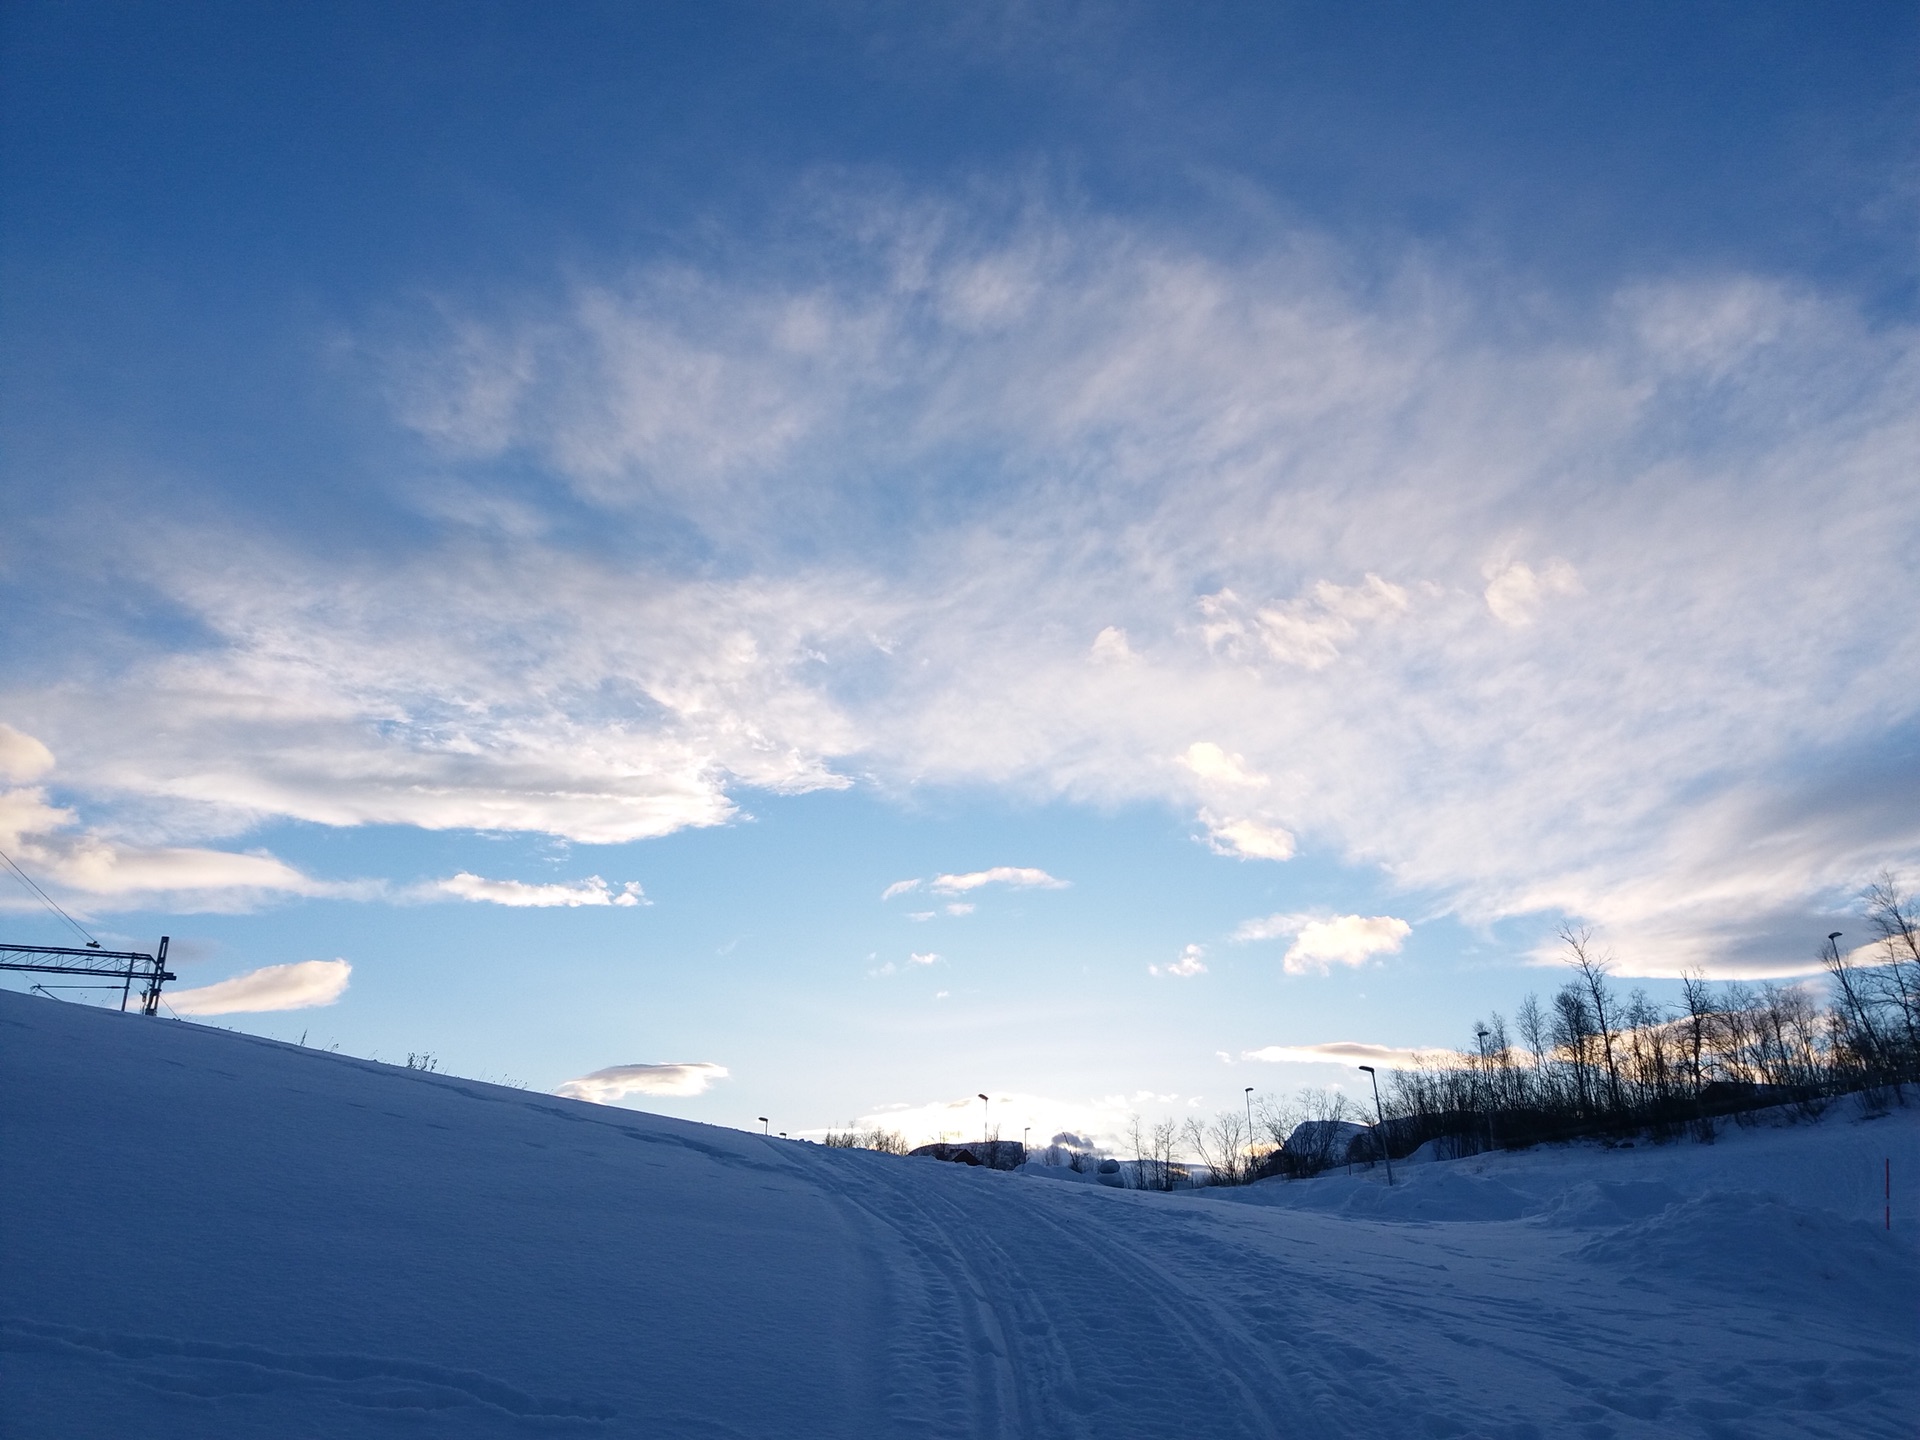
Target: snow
{"x": 208, "y": 1234}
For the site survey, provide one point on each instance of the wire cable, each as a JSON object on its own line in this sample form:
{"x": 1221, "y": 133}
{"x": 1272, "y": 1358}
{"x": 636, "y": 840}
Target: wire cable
{"x": 50, "y": 902}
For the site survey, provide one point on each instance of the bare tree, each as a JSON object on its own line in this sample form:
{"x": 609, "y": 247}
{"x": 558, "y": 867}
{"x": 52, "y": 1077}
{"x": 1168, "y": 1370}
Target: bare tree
{"x": 1592, "y": 969}
{"x": 1222, "y": 1146}
{"x": 1895, "y": 917}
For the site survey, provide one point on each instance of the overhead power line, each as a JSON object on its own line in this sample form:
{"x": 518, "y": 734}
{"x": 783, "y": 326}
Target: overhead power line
{"x": 47, "y": 899}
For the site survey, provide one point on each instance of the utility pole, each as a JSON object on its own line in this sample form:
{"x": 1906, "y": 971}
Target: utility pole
{"x": 1379, "y": 1133}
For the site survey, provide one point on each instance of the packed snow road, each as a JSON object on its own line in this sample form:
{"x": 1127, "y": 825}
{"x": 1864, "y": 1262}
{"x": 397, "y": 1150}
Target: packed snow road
{"x": 211, "y": 1235}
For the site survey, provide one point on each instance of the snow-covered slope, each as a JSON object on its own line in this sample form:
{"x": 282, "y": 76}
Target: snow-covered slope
{"x": 209, "y": 1235}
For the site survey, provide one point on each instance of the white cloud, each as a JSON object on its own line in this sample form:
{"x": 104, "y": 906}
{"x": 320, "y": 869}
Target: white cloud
{"x": 299, "y": 986}
{"x": 1344, "y": 940}
{"x": 1307, "y": 631}
{"x": 961, "y": 907}
{"x": 899, "y": 887}
{"x": 591, "y": 891}
{"x": 677, "y": 1081}
{"x": 1019, "y": 877}
{"x": 1210, "y": 762}
{"x": 1246, "y": 839}
{"x": 1515, "y": 592}
{"x": 1347, "y": 1052}
{"x": 1282, "y": 488}
{"x": 22, "y": 758}
{"x": 1110, "y": 647}
{"x": 101, "y": 873}
{"x": 1188, "y": 965}
{"x": 1320, "y": 943}
{"x": 927, "y": 959}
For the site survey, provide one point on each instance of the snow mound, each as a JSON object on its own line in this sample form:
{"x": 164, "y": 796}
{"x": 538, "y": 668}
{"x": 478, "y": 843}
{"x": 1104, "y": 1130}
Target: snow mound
{"x": 1592, "y": 1204}
{"x": 1760, "y": 1246}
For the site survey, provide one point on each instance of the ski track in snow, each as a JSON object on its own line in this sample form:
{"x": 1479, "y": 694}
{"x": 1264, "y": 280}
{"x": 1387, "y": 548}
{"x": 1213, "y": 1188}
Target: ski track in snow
{"x": 208, "y": 1234}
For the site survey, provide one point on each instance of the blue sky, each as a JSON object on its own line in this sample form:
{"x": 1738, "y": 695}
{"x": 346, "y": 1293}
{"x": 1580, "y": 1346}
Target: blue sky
{"x": 546, "y": 514}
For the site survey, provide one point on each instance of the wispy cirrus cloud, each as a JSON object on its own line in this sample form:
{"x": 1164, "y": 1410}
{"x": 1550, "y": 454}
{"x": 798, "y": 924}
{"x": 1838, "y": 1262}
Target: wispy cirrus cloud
{"x": 675, "y": 1080}
{"x": 99, "y": 872}
{"x": 1348, "y": 1052}
{"x": 1017, "y": 877}
{"x": 299, "y": 986}
{"x": 591, "y": 891}
{"x": 1527, "y": 615}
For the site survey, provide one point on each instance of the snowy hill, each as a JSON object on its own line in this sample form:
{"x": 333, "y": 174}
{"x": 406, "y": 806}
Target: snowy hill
{"x": 210, "y": 1235}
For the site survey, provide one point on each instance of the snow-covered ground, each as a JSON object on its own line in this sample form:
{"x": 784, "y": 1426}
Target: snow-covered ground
{"x": 204, "y": 1234}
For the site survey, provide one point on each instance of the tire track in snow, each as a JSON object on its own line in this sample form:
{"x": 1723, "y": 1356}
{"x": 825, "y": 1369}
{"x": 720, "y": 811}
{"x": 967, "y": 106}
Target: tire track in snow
{"x": 1040, "y": 1310}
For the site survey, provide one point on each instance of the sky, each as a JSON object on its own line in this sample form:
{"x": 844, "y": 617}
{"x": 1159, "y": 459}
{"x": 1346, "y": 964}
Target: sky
{"x": 823, "y": 561}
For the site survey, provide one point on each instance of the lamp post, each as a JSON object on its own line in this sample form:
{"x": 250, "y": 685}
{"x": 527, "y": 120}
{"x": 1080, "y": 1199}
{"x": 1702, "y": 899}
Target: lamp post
{"x": 765, "y": 1129}
{"x": 1249, "y": 1132}
{"x": 985, "y": 1108}
{"x": 1380, "y": 1138}
{"x": 1834, "y": 947}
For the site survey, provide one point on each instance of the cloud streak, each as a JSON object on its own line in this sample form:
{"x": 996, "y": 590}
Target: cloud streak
{"x": 1347, "y": 1052}
{"x": 1015, "y": 877}
{"x": 520, "y": 894}
{"x": 664, "y": 1081}
{"x": 299, "y": 986}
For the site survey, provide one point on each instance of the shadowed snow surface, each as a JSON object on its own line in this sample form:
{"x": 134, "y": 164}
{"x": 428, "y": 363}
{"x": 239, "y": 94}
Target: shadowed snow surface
{"x": 208, "y": 1234}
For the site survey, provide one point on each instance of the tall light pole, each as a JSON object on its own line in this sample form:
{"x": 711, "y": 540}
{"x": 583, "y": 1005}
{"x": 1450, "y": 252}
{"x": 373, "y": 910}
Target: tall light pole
{"x": 1379, "y": 1133}
{"x": 765, "y": 1129}
{"x": 1833, "y": 945}
{"x": 1249, "y": 1132}
{"x": 985, "y": 1107}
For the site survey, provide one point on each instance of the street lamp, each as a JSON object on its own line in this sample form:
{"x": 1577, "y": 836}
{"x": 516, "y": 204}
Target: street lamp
{"x": 1831, "y": 945}
{"x": 985, "y": 1107}
{"x": 1378, "y": 1137}
{"x": 764, "y": 1128}
{"x": 1249, "y": 1132}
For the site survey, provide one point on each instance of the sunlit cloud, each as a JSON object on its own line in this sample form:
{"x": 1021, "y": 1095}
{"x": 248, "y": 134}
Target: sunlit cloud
{"x": 591, "y": 891}
{"x": 667, "y": 1081}
{"x": 1513, "y": 614}
{"x": 1210, "y": 762}
{"x": 1014, "y": 876}
{"x": 299, "y": 986}
{"x": 1347, "y": 1052}
{"x": 899, "y": 887}
{"x": 98, "y": 873}
{"x": 22, "y": 758}
{"x": 1323, "y": 942}
{"x": 1246, "y": 839}
{"x": 1515, "y": 592}
{"x": 1186, "y": 967}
